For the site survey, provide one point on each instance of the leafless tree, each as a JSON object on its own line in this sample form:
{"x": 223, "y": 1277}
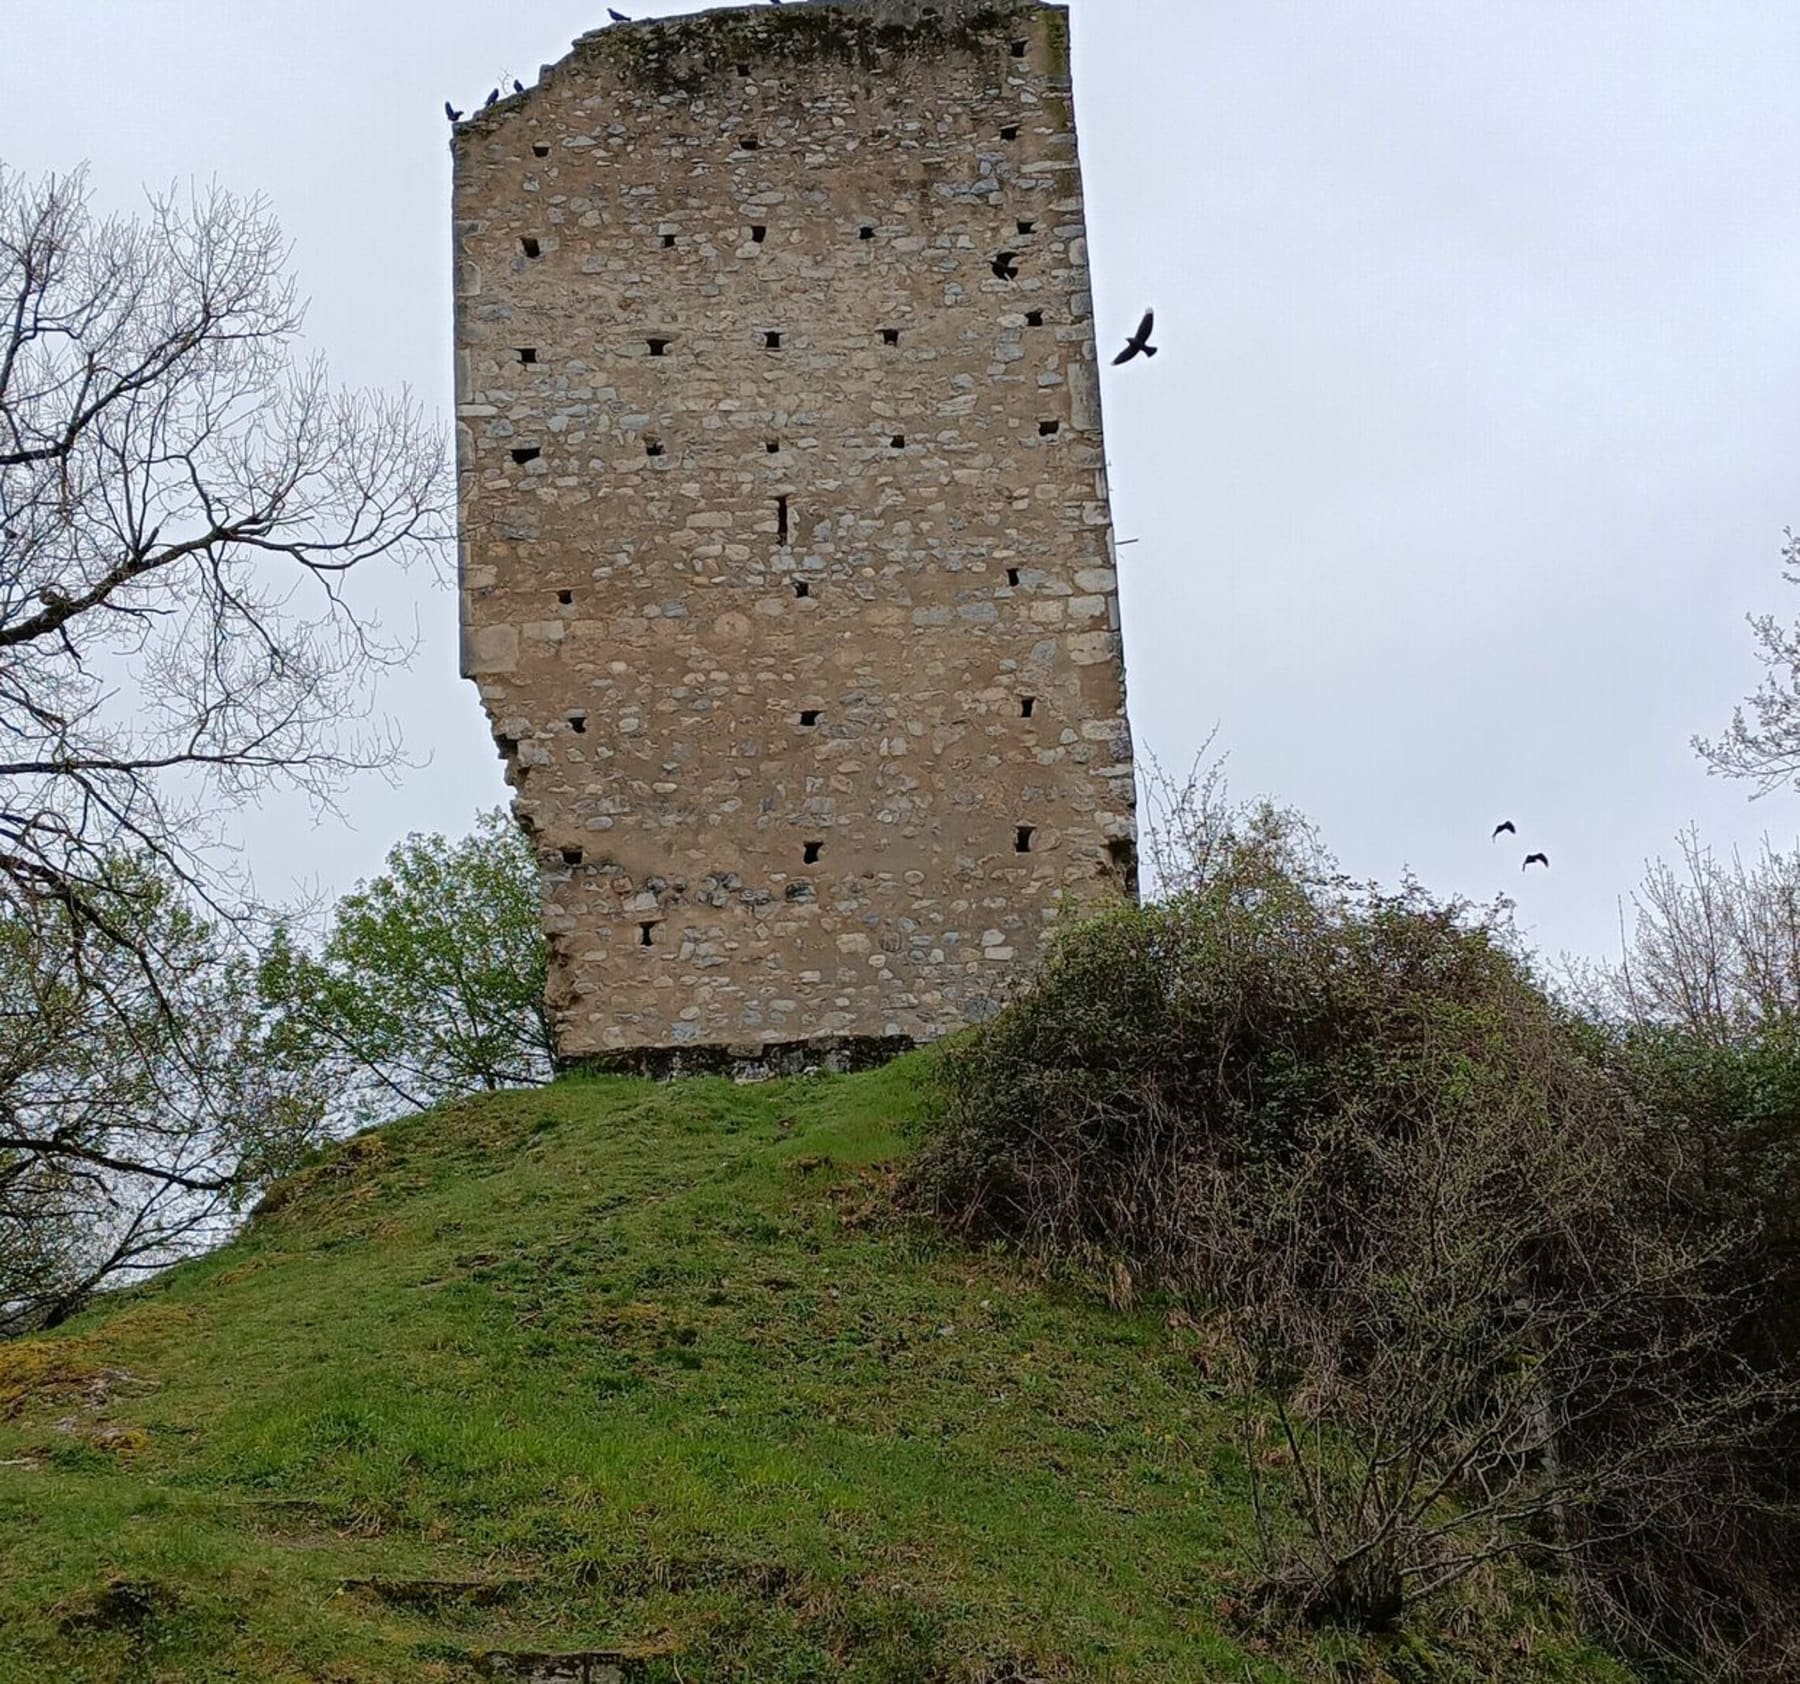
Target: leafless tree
{"x": 1714, "y": 946}
{"x": 185, "y": 509}
{"x": 1763, "y": 745}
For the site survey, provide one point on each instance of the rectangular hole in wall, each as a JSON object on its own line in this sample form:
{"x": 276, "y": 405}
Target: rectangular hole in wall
{"x": 565, "y": 597}
{"x": 866, "y": 232}
{"x": 781, "y": 520}
{"x": 528, "y": 244}
{"x": 668, "y": 240}
{"x": 1010, "y": 132}
{"x": 526, "y": 354}
{"x": 1005, "y": 266}
{"x": 644, "y": 933}
{"x": 743, "y": 70}
{"x": 653, "y": 447}
{"x": 890, "y": 336}
{"x": 1034, "y": 318}
{"x": 1012, "y": 575}
{"x": 758, "y": 232}
{"x": 526, "y": 453}
{"x": 539, "y": 149}
{"x": 802, "y": 588}
{"x": 1027, "y": 706}
{"x": 1027, "y": 226}
{"x": 1122, "y": 852}
{"x": 1049, "y": 429}
{"x": 1022, "y": 839}
{"x": 772, "y": 341}
{"x": 748, "y": 143}
{"x": 809, "y": 717}
{"x": 897, "y": 442}
{"x": 813, "y": 850}
{"x": 572, "y": 856}
{"x": 1018, "y": 49}
{"x": 658, "y": 347}
{"x": 772, "y": 446}
{"x": 578, "y": 724}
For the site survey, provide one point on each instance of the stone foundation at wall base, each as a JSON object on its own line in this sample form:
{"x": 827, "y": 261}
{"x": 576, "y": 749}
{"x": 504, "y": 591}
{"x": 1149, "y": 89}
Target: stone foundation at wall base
{"x": 752, "y": 1062}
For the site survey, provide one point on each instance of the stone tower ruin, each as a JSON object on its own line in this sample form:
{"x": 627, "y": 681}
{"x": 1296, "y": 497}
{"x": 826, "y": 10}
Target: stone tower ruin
{"x": 787, "y": 566}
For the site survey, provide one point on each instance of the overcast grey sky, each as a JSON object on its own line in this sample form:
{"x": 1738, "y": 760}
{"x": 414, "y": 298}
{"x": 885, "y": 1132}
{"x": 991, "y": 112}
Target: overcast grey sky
{"x": 1472, "y": 439}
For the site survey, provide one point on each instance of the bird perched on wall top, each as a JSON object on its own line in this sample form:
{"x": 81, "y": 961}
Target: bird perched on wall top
{"x": 1139, "y": 341}
{"x": 1504, "y": 828}
{"x": 451, "y": 112}
{"x": 491, "y": 99}
{"x": 1537, "y": 859}
{"x": 518, "y": 86}
{"x": 617, "y": 17}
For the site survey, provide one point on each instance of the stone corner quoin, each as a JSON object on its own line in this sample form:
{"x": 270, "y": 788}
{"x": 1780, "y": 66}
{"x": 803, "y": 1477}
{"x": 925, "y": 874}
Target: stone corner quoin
{"x": 787, "y": 567}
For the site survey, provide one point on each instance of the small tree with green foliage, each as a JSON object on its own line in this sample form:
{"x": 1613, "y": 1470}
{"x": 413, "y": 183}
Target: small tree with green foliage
{"x": 429, "y": 982}
{"x": 141, "y": 1104}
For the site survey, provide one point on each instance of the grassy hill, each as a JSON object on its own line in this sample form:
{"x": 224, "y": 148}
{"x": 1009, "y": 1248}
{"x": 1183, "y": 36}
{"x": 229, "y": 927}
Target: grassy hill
{"x": 650, "y": 1377}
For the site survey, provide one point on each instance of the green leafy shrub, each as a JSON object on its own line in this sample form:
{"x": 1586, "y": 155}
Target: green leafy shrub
{"x": 1478, "y": 1294}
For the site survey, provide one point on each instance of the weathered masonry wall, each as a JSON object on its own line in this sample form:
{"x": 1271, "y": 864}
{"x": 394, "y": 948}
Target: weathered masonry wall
{"x": 788, "y": 578}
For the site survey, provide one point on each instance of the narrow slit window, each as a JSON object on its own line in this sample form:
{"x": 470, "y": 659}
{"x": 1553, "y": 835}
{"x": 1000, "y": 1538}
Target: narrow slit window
{"x": 809, "y": 717}
{"x": 572, "y": 856}
{"x": 1034, "y": 318}
{"x": 578, "y": 724}
{"x": 668, "y": 240}
{"x": 781, "y": 520}
{"x": 527, "y": 354}
{"x": 802, "y": 588}
{"x": 1027, "y": 226}
{"x": 565, "y": 597}
{"x": 658, "y": 347}
{"x": 759, "y": 232}
{"x": 653, "y": 447}
{"x": 1010, "y": 132}
{"x": 1049, "y": 429}
{"x": 529, "y": 245}
{"x": 1022, "y": 839}
{"x": 644, "y": 934}
{"x": 1012, "y": 575}
{"x": 1006, "y": 267}
{"x": 526, "y": 453}
{"x": 539, "y": 149}
{"x": 890, "y": 336}
{"x": 813, "y": 850}
{"x": 1027, "y": 706}
{"x": 897, "y": 442}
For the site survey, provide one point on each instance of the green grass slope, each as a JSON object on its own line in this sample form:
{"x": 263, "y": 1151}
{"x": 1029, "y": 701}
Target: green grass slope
{"x": 649, "y": 1376}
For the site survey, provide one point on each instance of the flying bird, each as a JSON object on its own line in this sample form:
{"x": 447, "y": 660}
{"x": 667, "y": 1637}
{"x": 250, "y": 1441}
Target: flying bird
{"x": 1139, "y": 341}
{"x": 1504, "y": 828}
{"x": 518, "y": 86}
{"x": 451, "y": 112}
{"x": 1537, "y": 859}
{"x": 617, "y": 17}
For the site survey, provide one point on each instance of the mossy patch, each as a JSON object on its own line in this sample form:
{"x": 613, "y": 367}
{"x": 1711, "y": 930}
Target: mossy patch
{"x": 681, "y": 55}
{"x": 36, "y": 1370}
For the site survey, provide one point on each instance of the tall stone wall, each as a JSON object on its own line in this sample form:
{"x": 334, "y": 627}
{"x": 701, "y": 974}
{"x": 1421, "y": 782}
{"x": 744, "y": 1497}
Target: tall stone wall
{"x": 787, "y": 566}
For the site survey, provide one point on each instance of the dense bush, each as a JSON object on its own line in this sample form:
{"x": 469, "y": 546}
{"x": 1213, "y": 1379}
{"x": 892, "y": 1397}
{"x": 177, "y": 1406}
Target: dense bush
{"x": 1482, "y": 1288}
